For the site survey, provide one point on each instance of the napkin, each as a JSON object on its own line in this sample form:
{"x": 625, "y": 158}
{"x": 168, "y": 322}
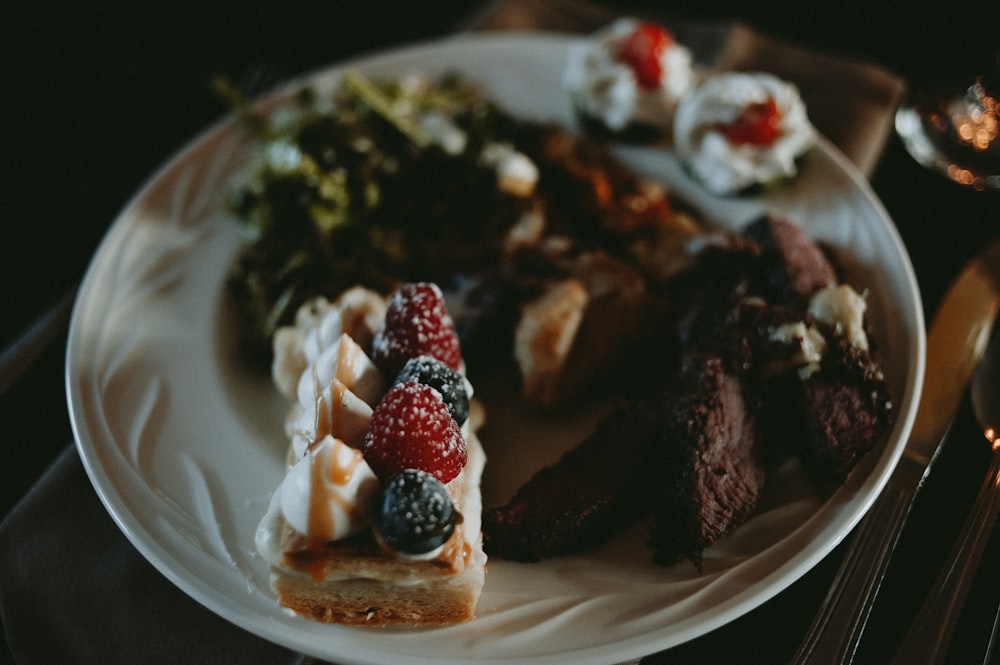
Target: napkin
{"x": 73, "y": 588}
{"x": 850, "y": 101}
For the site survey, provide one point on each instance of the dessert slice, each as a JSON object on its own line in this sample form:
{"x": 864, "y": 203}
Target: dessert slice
{"x": 361, "y": 580}
{"x": 383, "y": 528}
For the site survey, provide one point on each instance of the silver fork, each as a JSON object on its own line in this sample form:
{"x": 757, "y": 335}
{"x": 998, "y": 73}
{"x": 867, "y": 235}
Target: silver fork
{"x": 930, "y": 634}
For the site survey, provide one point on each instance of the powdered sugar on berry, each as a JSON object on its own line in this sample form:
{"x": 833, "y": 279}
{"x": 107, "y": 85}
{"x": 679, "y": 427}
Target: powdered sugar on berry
{"x": 416, "y": 323}
{"x": 411, "y": 428}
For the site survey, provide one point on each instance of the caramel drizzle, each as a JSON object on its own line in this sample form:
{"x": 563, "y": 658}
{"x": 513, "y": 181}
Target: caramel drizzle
{"x": 328, "y": 407}
{"x": 347, "y": 361}
{"x": 329, "y": 413}
{"x": 328, "y": 474}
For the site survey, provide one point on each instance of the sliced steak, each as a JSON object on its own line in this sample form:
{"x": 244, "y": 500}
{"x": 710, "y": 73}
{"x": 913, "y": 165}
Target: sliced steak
{"x": 710, "y": 475}
{"x": 796, "y": 267}
{"x": 835, "y": 416}
{"x": 592, "y": 491}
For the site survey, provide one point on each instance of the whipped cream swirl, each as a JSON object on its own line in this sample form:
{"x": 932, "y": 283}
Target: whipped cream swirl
{"x": 605, "y": 88}
{"x": 727, "y": 167}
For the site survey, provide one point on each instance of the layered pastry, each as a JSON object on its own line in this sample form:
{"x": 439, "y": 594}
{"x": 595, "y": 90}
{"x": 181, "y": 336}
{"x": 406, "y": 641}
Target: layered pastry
{"x": 377, "y": 521}
{"x": 628, "y": 75}
{"x": 736, "y": 130}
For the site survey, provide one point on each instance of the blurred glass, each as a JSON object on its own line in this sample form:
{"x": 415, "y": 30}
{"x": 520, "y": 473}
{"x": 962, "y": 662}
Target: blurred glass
{"x": 957, "y": 133}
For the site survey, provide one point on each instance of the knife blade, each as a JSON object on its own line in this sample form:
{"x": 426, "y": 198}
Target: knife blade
{"x": 956, "y": 340}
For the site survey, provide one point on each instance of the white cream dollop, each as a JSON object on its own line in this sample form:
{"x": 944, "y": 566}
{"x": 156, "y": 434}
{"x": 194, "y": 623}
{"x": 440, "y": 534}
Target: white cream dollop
{"x": 725, "y": 167}
{"x": 605, "y": 88}
{"x": 336, "y": 412}
{"x": 330, "y": 493}
{"x": 810, "y": 344}
{"x": 516, "y": 173}
{"x": 319, "y": 323}
{"x": 842, "y": 309}
{"x": 347, "y": 362}
{"x": 335, "y": 395}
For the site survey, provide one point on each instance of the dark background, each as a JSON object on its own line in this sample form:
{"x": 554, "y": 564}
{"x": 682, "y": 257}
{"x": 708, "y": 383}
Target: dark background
{"x": 96, "y": 95}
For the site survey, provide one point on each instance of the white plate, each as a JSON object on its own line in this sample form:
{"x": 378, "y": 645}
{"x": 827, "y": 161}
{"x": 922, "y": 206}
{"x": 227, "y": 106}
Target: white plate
{"x": 184, "y": 444}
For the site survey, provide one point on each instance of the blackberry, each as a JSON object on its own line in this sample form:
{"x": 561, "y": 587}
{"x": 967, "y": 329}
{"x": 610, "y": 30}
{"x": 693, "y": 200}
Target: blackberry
{"x": 417, "y": 514}
{"x": 432, "y": 372}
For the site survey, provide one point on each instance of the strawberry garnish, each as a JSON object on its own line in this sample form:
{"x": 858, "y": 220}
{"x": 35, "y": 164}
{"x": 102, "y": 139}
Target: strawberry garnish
{"x": 758, "y": 124}
{"x": 641, "y": 51}
{"x": 411, "y": 428}
{"x": 416, "y": 323}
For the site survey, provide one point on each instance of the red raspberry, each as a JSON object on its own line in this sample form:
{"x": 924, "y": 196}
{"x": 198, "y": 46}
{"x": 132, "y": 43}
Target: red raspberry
{"x": 411, "y": 428}
{"x": 641, "y": 51}
{"x": 416, "y": 323}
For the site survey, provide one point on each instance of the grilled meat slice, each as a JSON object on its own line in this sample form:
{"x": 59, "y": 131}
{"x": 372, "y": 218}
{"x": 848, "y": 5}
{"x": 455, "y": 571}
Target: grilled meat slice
{"x": 709, "y": 472}
{"x": 833, "y": 417}
{"x": 796, "y": 267}
{"x": 592, "y": 491}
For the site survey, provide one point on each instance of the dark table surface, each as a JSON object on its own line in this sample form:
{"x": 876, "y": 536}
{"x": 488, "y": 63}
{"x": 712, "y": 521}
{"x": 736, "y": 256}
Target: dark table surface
{"x": 97, "y": 95}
